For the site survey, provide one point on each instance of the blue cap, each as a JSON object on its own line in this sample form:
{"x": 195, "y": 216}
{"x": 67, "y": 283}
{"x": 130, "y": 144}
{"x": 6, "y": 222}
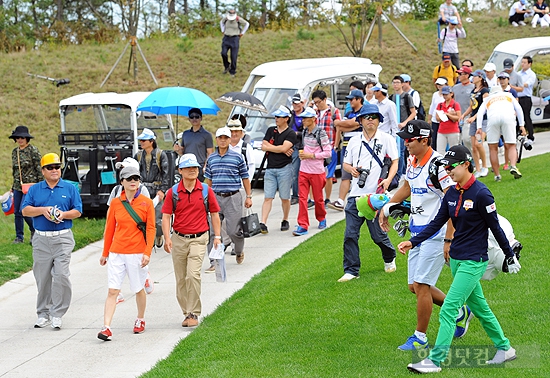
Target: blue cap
{"x": 380, "y": 87}
{"x": 479, "y": 73}
{"x": 146, "y": 134}
{"x": 308, "y": 113}
{"x": 356, "y": 93}
{"x": 405, "y": 77}
{"x": 369, "y": 108}
{"x": 283, "y": 111}
{"x": 446, "y": 90}
{"x": 188, "y": 161}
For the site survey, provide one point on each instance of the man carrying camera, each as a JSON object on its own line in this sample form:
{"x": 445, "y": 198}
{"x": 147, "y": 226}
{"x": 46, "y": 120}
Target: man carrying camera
{"x": 363, "y": 160}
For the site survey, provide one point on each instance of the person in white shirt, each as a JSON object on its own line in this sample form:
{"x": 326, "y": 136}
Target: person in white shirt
{"x": 502, "y": 109}
{"x": 387, "y": 108}
{"x": 449, "y": 38}
{"x": 524, "y": 97}
{"x": 437, "y": 98}
{"x": 517, "y": 13}
{"x": 491, "y": 75}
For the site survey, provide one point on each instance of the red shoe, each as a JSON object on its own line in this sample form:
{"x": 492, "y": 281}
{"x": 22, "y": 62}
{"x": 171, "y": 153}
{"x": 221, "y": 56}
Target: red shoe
{"x": 105, "y": 334}
{"x": 139, "y": 326}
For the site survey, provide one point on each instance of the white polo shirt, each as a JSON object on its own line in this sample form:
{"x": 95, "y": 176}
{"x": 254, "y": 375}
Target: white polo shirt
{"x": 358, "y": 155}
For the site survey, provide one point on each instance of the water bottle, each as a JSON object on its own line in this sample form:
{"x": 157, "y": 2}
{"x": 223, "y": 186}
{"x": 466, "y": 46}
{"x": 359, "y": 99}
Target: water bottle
{"x": 478, "y": 137}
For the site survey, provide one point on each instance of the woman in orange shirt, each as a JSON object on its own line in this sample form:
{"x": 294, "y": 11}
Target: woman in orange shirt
{"x": 127, "y": 249}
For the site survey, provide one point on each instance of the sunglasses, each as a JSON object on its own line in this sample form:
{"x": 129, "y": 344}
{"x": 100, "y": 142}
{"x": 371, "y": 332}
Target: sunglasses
{"x": 52, "y": 167}
{"x": 409, "y": 140}
{"x": 194, "y": 116}
{"x": 371, "y": 116}
{"x": 449, "y": 168}
{"x": 133, "y": 178}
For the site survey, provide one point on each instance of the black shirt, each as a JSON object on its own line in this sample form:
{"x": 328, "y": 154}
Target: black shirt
{"x": 279, "y": 160}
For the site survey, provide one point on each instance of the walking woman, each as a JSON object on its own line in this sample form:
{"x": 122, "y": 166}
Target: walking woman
{"x": 471, "y": 208}
{"x": 127, "y": 247}
{"x": 26, "y": 169}
{"x": 448, "y": 133}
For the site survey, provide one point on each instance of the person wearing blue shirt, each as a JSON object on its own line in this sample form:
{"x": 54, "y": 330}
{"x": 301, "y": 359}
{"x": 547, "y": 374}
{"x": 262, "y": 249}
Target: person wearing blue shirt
{"x": 53, "y": 204}
{"x": 471, "y": 208}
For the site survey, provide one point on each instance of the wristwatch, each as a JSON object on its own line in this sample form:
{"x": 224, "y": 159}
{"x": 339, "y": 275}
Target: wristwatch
{"x": 447, "y": 240}
{"x": 249, "y": 196}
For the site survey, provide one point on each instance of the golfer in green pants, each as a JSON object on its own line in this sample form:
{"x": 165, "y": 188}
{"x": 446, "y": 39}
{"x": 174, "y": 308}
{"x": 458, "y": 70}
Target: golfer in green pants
{"x": 472, "y": 210}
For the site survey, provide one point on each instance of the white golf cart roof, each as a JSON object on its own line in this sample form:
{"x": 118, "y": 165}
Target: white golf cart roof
{"x": 522, "y": 46}
{"x": 132, "y": 99}
{"x": 299, "y": 73}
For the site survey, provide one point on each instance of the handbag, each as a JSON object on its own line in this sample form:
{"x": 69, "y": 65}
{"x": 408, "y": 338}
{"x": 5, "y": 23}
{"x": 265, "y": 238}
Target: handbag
{"x": 250, "y": 224}
{"x": 7, "y": 203}
{"x": 24, "y": 187}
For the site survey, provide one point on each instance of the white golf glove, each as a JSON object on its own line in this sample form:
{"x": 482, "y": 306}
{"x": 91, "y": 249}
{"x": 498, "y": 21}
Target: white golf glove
{"x": 512, "y": 265}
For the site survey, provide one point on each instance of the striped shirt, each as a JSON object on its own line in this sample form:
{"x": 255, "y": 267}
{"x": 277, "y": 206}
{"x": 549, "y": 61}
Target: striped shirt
{"x": 226, "y": 171}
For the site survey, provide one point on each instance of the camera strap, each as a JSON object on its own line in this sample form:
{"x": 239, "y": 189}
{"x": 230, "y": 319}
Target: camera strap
{"x": 369, "y": 148}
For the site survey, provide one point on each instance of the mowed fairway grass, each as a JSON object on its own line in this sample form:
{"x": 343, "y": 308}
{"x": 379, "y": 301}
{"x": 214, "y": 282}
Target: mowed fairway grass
{"x": 295, "y": 320}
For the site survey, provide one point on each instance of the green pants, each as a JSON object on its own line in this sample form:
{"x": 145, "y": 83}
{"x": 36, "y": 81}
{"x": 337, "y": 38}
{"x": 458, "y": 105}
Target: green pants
{"x": 465, "y": 288}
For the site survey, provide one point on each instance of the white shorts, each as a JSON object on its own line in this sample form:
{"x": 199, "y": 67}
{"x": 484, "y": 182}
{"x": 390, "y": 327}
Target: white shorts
{"x": 505, "y": 126}
{"x": 425, "y": 262}
{"x": 119, "y": 264}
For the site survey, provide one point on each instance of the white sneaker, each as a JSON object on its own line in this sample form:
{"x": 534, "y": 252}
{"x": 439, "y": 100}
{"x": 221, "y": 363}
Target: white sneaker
{"x": 57, "y": 323}
{"x": 522, "y": 23}
{"x": 42, "y": 322}
{"x": 484, "y": 172}
{"x": 477, "y": 174}
{"x": 423, "y": 367}
{"x": 347, "y": 277}
{"x": 515, "y": 24}
{"x": 501, "y": 356}
{"x": 390, "y": 267}
{"x": 534, "y": 25}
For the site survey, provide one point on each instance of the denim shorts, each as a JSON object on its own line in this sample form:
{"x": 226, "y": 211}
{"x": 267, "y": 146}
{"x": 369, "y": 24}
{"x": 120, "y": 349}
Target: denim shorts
{"x": 278, "y": 179}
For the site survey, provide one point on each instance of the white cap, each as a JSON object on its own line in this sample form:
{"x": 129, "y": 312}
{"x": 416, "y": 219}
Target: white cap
{"x": 188, "y": 161}
{"x": 223, "y": 131}
{"x": 146, "y": 134}
{"x": 235, "y": 124}
{"x": 441, "y": 81}
{"x": 490, "y": 67}
{"x": 127, "y": 162}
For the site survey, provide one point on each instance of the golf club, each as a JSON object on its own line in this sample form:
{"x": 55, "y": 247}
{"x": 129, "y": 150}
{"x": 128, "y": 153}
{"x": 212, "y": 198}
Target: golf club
{"x": 57, "y": 82}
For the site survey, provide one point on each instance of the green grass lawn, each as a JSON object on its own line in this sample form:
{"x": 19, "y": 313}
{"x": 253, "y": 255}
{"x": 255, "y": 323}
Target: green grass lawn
{"x": 294, "y": 319}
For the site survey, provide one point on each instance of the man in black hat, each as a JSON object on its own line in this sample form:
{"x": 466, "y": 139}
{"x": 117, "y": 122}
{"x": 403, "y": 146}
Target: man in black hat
{"x": 26, "y": 169}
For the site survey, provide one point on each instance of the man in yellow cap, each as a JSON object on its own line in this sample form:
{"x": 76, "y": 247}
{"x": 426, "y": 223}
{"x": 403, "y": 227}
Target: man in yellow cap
{"x": 53, "y": 204}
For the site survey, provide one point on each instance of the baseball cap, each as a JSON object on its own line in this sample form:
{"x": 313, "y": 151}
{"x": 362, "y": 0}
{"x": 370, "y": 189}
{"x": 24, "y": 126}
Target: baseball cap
{"x": 465, "y": 69}
{"x": 445, "y": 57}
{"x": 453, "y": 20}
{"x": 490, "y": 67}
{"x": 441, "y": 81}
{"x": 188, "y": 161}
{"x": 414, "y": 129}
{"x": 355, "y": 93}
{"x": 508, "y": 63}
{"x": 380, "y": 87}
{"x": 235, "y": 124}
{"x": 456, "y": 154}
{"x": 127, "y": 162}
{"x": 405, "y": 77}
{"x": 223, "y": 131}
{"x": 283, "y": 111}
{"x": 369, "y": 108}
{"x": 129, "y": 171}
{"x": 146, "y": 134}
{"x": 308, "y": 113}
{"x": 480, "y": 73}
{"x": 297, "y": 98}
{"x": 446, "y": 90}
{"x": 503, "y": 75}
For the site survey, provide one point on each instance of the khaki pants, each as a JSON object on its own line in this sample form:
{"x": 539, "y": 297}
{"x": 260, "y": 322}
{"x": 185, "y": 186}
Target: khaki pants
{"x": 187, "y": 257}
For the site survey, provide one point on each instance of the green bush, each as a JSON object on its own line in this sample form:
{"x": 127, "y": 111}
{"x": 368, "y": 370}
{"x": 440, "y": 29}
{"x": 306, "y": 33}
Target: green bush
{"x": 305, "y": 35}
{"x": 185, "y": 45}
{"x": 284, "y": 44}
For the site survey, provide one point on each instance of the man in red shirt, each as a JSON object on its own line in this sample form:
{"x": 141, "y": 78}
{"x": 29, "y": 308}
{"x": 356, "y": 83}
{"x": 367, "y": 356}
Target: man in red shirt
{"x": 189, "y": 241}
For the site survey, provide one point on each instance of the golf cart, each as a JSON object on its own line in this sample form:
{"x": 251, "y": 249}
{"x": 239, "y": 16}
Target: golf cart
{"x": 275, "y": 83}
{"x": 98, "y": 130}
{"x": 537, "y": 48}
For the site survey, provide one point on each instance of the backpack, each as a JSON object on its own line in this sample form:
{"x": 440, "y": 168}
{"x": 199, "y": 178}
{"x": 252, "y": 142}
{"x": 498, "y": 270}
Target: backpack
{"x": 175, "y": 197}
{"x": 420, "y": 111}
{"x": 317, "y": 134}
{"x": 243, "y": 152}
{"x": 236, "y": 19}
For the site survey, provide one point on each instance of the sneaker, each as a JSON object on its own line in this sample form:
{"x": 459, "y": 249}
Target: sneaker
{"x": 226, "y": 71}
{"x": 158, "y": 241}
{"x": 423, "y": 367}
{"x": 18, "y": 241}
{"x": 390, "y": 267}
{"x": 139, "y": 326}
{"x": 119, "y": 298}
{"x": 299, "y": 231}
{"x": 334, "y": 180}
{"x": 294, "y": 201}
{"x": 42, "y": 322}
{"x": 514, "y": 171}
{"x": 263, "y": 228}
{"x": 413, "y": 343}
{"x": 484, "y": 172}
{"x": 327, "y": 201}
{"x": 522, "y": 23}
{"x": 190, "y": 320}
{"x": 149, "y": 284}
{"x": 505, "y": 167}
{"x": 240, "y": 258}
{"x": 463, "y": 322}
{"x": 105, "y": 334}
{"x": 336, "y": 205}
{"x": 323, "y": 224}
{"x": 310, "y": 203}
{"x": 501, "y": 356}
{"x": 212, "y": 269}
{"x": 347, "y": 277}
{"x": 498, "y": 178}
{"x": 57, "y": 323}
{"x": 534, "y": 25}
{"x": 285, "y": 225}
{"x": 477, "y": 174}
{"x": 515, "y": 24}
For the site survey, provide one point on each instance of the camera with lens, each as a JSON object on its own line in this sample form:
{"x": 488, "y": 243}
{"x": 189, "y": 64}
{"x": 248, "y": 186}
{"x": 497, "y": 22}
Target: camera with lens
{"x": 527, "y": 144}
{"x": 363, "y": 174}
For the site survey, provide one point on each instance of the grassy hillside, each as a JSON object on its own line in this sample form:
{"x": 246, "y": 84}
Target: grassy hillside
{"x": 34, "y": 102}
